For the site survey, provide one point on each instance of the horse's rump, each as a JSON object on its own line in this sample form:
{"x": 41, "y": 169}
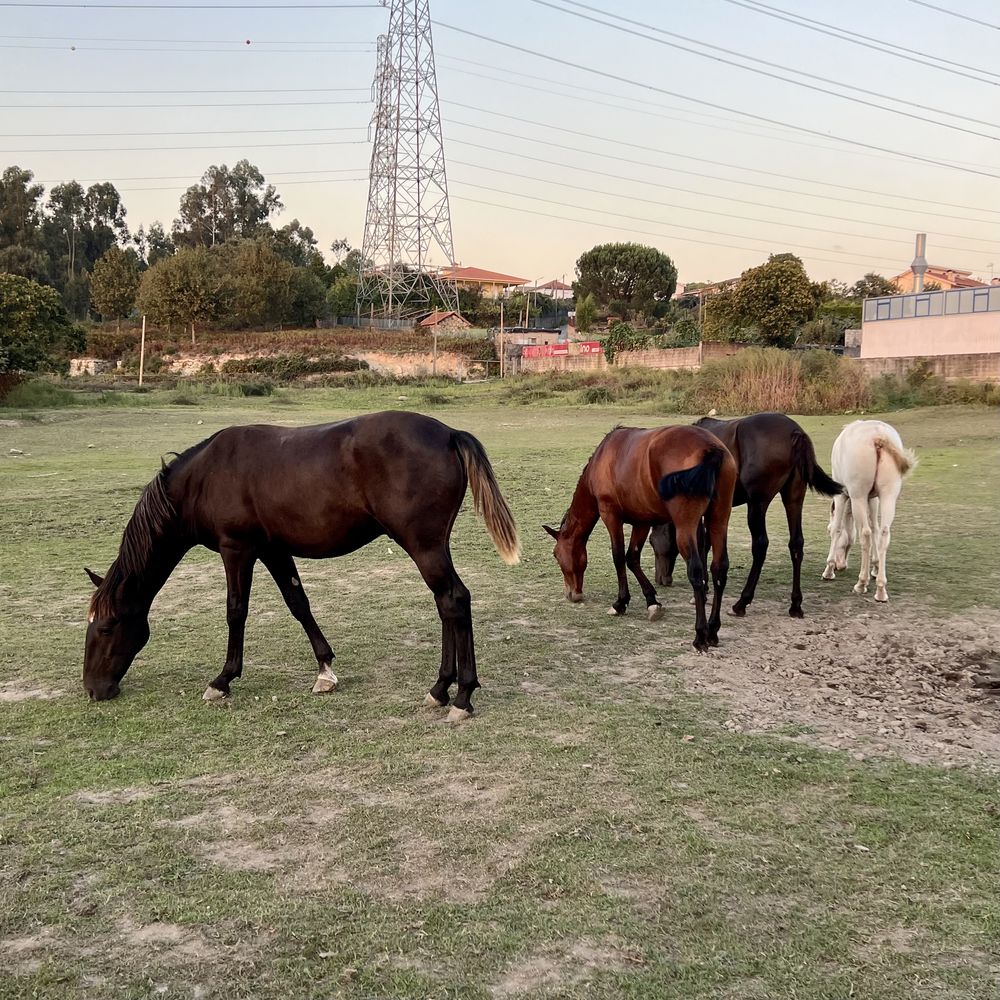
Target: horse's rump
{"x": 698, "y": 481}
{"x": 905, "y": 458}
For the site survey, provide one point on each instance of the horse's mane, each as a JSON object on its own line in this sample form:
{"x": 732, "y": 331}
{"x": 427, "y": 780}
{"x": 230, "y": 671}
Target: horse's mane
{"x": 153, "y": 514}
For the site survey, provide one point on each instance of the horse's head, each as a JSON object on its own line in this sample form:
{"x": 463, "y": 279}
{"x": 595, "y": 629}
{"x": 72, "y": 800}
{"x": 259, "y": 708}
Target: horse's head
{"x": 571, "y": 554}
{"x": 115, "y": 634}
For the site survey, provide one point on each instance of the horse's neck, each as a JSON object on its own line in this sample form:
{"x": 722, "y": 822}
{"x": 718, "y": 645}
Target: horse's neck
{"x": 582, "y": 514}
{"x": 141, "y": 583}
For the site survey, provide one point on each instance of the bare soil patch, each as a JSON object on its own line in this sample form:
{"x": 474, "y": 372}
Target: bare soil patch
{"x": 883, "y": 680}
{"x": 15, "y": 691}
{"x": 551, "y": 970}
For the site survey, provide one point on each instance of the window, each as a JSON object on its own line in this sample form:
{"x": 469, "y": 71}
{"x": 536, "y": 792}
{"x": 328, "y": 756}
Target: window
{"x": 909, "y": 302}
{"x": 980, "y": 300}
{"x": 922, "y": 305}
{"x": 882, "y": 308}
{"x": 870, "y": 310}
{"x": 951, "y": 303}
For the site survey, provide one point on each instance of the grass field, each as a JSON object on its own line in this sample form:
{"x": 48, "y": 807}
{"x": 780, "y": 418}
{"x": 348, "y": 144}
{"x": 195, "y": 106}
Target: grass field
{"x": 596, "y": 831}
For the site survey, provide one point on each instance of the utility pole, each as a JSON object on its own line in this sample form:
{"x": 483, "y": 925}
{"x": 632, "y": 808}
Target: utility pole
{"x": 408, "y": 221}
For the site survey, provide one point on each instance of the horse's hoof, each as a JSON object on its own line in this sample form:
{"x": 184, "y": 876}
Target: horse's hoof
{"x": 431, "y": 702}
{"x": 861, "y": 588}
{"x": 615, "y": 613}
{"x": 654, "y": 612}
{"x": 882, "y": 595}
{"x": 325, "y": 683}
{"x": 213, "y": 694}
{"x": 829, "y": 574}
{"x": 713, "y": 640}
{"x": 456, "y": 715}
{"x": 700, "y": 645}
{"x": 795, "y": 613}
{"x": 738, "y": 612}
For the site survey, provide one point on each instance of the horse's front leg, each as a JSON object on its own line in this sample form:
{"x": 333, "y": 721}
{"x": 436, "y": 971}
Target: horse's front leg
{"x": 239, "y": 561}
{"x": 633, "y": 560}
{"x": 664, "y": 544}
{"x": 281, "y": 566}
{"x": 616, "y": 529}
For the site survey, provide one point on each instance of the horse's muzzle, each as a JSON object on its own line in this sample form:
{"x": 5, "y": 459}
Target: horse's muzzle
{"x": 104, "y": 692}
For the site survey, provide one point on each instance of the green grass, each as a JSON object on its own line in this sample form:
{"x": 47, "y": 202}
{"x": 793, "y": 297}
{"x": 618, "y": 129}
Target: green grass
{"x": 568, "y": 842}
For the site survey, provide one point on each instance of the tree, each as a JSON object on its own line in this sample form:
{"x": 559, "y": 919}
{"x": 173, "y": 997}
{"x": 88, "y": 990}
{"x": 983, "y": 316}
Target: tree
{"x": 188, "y": 287}
{"x": 626, "y": 277}
{"x": 154, "y": 245}
{"x": 20, "y": 210}
{"x": 586, "y": 313}
{"x": 34, "y": 328}
{"x": 341, "y": 299}
{"x": 115, "y": 283}
{"x": 871, "y": 286}
{"x": 775, "y": 298}
{"x": 260, "y": 282}
{"x": 308, "y": 300}
{"x": 225, "y": 205}
{"x": 299, "y": 246}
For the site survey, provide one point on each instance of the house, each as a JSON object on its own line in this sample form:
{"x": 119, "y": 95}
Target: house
{"x": 555, "y": 289}
{"x": 945, "y": 277}
{"x": 492, "y": 284}
{"x": 440, "y": 321}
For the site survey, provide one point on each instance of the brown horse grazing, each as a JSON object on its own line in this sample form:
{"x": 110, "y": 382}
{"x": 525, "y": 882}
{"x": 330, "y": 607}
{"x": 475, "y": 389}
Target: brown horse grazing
{"x": 271, "y": 493}
{"x": 680, "y": 475}
{"x": 774, "y": 455}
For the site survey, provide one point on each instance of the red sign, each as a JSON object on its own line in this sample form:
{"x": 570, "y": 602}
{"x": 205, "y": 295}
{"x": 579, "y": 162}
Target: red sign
{"x": 561, "y": 350}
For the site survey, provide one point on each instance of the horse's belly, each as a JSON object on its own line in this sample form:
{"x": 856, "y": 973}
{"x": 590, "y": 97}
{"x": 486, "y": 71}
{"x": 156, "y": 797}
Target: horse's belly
{"x": 339, "y": 544}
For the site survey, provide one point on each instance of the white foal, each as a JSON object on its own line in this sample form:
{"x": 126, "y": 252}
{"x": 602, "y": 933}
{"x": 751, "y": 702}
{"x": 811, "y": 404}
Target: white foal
{"x": 871, "y": 462}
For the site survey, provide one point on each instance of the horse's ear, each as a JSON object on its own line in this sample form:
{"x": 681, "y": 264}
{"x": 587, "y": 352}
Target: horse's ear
{"x": 554, "y": 532}
{"x": 94, "y": 578}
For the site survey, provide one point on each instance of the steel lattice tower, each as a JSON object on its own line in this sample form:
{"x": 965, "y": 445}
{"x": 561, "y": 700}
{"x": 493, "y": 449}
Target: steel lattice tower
{"x": 408, "y": 224}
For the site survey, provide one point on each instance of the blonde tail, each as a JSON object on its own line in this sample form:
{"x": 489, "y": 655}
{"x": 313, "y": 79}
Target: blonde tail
{"x": 905, "y": 458}
{"x": 488, "y": 499}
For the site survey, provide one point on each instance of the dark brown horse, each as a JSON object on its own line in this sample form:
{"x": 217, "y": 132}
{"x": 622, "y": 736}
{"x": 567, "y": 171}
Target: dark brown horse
{"x": 774, "y": 455}
{"x": 678, "y": 475}
{"x": 272, "y": 493}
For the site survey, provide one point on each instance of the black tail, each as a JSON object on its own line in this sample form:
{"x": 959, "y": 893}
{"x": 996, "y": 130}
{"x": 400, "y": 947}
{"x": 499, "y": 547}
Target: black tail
{"x": 804, "y": 456}
{"x": 698, "y": 481}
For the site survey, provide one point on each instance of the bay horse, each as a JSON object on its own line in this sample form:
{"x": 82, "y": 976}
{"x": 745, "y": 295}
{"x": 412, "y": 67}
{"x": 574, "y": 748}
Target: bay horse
{"x": 681, "y": 475}
{"x": 774, "y": 455}
{"x": 869, "y": 457}
{"x": 274, "y": 493}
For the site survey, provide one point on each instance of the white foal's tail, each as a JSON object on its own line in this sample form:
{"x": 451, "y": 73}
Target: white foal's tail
{"x": 905, "y": 458}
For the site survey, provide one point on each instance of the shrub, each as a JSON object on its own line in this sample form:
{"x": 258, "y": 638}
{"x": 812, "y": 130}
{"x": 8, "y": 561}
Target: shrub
{"x": 623, "y": 337}
{"x": 36, "y": 395}
{"x": 596, "y": 394}
{"x": 110, "y": 345}
{"x": 286, "y": 367}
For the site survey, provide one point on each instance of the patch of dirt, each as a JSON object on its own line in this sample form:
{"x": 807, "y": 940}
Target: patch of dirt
{"x": 171, "y": 940}
{"x": 113, "y": 796}
{"x": 551, "y": 970}
{"x": 14, "y": 691}
{"x": 883, "y": 680}
{"x": 24, "y": 954}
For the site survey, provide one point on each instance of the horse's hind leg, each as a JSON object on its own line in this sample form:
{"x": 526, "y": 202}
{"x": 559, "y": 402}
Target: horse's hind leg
{"x": 654, "y": 610}
{"x": 792, "y": 495}
{"x": 238, "y": 562}
{"x": 281, "y": 566}
{"x": 859, "y": 505}
{"x": 887, "y": 514}
{"x": 873, "y": 517}
{"x": 718, "y": 537}
{"x": 664, "y": 544}
{"x": 689, "y": 543}
{"x": 757, "y": 522}
{"x": 841, "y": 535}
{"x": 458, "y": 651}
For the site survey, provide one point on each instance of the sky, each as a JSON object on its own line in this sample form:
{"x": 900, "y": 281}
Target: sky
{"x": 592, "y": 135}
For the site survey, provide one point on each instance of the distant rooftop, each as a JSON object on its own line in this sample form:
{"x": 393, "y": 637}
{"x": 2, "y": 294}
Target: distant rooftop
{"x": 482, "y": 275}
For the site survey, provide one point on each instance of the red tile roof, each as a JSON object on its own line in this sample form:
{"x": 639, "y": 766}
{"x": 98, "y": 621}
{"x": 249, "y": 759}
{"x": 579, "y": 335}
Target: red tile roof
{"x": 556, "y": 286}
{"x": 480, "y": 274}
{"x": 439, "y": 316}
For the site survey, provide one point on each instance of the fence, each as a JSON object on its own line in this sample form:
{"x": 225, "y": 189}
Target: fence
{"x": 669, "y": 358}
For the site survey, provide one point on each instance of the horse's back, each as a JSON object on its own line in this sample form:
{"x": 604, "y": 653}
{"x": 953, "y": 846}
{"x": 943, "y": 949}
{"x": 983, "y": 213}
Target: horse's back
{"x": 856, "y": 461}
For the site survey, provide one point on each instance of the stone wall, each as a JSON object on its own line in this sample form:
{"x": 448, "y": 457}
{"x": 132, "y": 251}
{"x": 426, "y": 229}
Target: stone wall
{"x": 975, "y": 367}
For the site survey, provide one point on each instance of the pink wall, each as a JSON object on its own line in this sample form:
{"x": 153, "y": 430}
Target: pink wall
{"x": 930, "y": 336}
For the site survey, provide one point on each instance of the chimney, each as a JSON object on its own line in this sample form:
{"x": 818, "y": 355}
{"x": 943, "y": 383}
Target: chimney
{"x": 919, "y": 265}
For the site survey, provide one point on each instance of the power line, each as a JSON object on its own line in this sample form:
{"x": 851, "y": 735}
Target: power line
{"x": 659, "y": 235}
{"x": 955, "y": 13}
{"x": 122, "y": 93}
{"x": 133, "y": 135}
{"x": 142, "y": 107}
{"x": 194, "y": 7}
{"x": 173, "y": 41}
{"x": 563, "y": 165}
{"x": 172, "y": 149}
{"x": 725, "y": 215}
{"x": 578, "y": 93}
{"x": 157, "y": 48}
{"x": 856, "y": 38}
{"x": 186, "y": 177}
{"x": 719, "y": 107}
{"x": 773, "y": 76}
{"x": 688, "y": 156}
{"x": 318, "y": 180}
